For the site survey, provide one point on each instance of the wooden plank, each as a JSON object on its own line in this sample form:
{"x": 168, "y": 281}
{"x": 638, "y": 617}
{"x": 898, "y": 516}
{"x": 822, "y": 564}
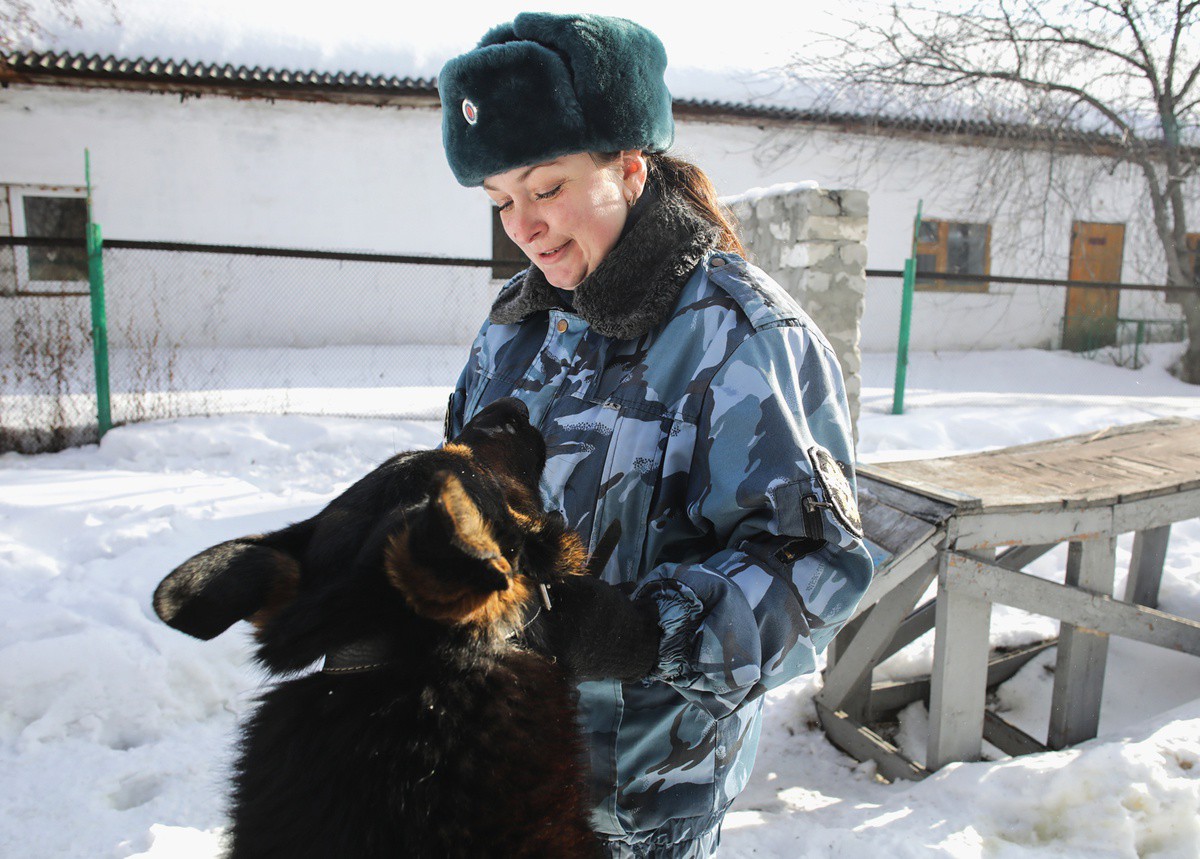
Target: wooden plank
{"x": 1055, "y": 525}
{"x": 918, "y": 622}
{"x": 890, "y": 696}
{"x": 1146, "y": 513}
{"x": 927, "y": 509}
{"x": 958, "y": 684}
{"x": 1008, "y": 738}
{"x": 1080, "y": 471}
{"x": 1094, "y": 611}
{"x": 856, "y": 660}
{"x": 909, "y": 482}
{"x": 1146, "y": 566}
{"x": 857, "y": 701}
{"x": 899, "y": 572}
{"x": 921, "y": 620}
{"x": 1082, "y": 651}
{"x": 1018, "y": 557}
{"x": 863, "y": 744}
{"x": 892, "y": 528}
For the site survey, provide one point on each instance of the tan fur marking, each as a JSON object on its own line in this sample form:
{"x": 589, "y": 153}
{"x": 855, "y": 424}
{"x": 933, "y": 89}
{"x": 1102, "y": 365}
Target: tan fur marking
{"x": 572, "y": 555}
{"x": 433, "y": 598}
{"x": 285, "y": 584}
{"x": 529, "y": 524}
{"x": 471, "y": 529}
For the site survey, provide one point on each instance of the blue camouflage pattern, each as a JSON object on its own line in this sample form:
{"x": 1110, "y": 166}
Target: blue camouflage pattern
{"x": 697, "y": 440}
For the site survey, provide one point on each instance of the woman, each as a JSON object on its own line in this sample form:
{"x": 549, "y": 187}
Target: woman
{"x": 695, "y": 419}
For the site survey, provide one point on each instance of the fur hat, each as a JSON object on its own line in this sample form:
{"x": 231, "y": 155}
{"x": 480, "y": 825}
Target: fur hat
{"x": 547, "y": 85}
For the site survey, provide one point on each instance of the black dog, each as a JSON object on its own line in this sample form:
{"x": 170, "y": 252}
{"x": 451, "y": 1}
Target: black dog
{"x": 428, "y": 733}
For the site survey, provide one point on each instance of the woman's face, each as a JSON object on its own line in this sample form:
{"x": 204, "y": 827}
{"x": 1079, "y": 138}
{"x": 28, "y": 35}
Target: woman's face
{"x": 567, "y": 214}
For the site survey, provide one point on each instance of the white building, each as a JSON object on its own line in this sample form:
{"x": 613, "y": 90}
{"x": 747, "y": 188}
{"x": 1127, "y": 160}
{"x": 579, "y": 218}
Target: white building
{"x": 238, "y": 156}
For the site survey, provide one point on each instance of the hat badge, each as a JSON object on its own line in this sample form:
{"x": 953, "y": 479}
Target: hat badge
{"x": 470, "y": 111}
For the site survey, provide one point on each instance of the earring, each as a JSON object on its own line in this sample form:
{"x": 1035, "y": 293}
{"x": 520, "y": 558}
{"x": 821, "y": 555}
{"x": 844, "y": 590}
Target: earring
{"x": 629, "y": 201}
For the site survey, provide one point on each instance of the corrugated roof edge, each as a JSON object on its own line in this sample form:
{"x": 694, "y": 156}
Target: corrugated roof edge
{"x": 17, "y": 66}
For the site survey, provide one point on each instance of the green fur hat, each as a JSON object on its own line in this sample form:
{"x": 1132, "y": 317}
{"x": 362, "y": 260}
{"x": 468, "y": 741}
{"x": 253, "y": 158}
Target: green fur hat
{"x": 548, "y": 85}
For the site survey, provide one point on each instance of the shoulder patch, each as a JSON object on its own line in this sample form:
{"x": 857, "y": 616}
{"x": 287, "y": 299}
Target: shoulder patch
{"x": 837, "y": 489}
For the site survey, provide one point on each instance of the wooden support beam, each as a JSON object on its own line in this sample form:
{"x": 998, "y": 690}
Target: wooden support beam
{"x": 858, "y": 699}
{"x": 1008, "y": 738}
{"x": 958, "y": 685}
{"x": 890, "y": 697}
{"x": 1146, "y": 566}
{"x": 1094, "y": 611}
{"x": 1053, "y": 525}
{"x": 922, "y": 619}
{"x": 899, "y": 570}
{"x": 1082, "y": 651}
{"x": 1018, "y": 557}
{"x": 864, "y": 744}
{"x": 918, "y": 622}
{"x": 854, "y": 664}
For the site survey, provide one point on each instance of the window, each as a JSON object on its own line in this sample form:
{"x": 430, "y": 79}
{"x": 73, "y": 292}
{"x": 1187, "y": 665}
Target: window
{"x": 59, "y": 218}
{"x": 48, "y": 212}
{"x": 953, "y": 247}
{"x": 504, "y": 248}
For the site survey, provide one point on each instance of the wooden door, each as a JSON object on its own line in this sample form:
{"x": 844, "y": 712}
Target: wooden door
{"x": 1091, "y": 314}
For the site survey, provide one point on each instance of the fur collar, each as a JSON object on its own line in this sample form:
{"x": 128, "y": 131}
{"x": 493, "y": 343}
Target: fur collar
{"x": 635, "y": 286}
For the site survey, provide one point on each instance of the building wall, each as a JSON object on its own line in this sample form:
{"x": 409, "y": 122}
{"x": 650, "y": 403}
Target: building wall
{"x": 301, "y": 174}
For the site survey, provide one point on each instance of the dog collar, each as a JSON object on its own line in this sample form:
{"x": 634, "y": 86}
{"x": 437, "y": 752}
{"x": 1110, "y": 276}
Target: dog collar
{"x": 367, "y": 654}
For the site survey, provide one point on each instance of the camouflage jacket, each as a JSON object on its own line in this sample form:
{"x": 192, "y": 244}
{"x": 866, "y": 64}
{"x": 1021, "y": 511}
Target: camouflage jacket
{"x": 687, "y": 398}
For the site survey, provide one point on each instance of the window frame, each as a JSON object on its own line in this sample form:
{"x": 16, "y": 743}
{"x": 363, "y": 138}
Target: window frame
{"x": 16, "y": 195}
{"x": 940, "y": 250}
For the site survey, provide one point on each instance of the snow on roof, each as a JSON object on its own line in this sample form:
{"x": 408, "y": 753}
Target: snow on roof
{"x": 719, "y": 63}
{"x": 373, "y": 38}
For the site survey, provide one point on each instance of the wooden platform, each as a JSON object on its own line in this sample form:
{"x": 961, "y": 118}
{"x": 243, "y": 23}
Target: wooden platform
{"x": 945, "y": 519}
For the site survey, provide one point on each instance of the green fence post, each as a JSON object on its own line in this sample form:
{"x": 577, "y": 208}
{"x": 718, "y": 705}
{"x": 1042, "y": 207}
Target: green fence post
{"x": 906, "y": 302}
{"x": 95, "y": 252}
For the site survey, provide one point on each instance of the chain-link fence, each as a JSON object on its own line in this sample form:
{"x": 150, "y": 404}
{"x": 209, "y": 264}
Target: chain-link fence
{"x": 203, "y": 330}
{"x": 1024, "y": 312}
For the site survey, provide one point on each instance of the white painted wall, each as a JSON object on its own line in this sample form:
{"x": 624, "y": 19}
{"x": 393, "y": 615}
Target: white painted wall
{"x": 297, "y": 174}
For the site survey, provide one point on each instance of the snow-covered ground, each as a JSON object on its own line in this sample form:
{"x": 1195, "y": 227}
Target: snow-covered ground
{"x": 116, "y": 733}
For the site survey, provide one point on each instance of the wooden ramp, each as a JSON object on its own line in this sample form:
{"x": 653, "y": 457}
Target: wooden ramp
{"x": 971, "y": 524}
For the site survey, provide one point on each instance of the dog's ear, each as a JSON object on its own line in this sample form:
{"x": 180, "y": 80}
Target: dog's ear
{"x": 459, "y": 518}
{"x": 246, "y": 579}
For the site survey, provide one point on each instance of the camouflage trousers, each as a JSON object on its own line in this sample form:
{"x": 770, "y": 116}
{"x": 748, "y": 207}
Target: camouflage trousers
{"x": 654, "y": 846}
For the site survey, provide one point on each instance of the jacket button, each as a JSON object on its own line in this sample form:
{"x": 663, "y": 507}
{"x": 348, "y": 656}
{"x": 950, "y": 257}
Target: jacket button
{"x": 562, "y": 326}
{"x": 716, "y": 262}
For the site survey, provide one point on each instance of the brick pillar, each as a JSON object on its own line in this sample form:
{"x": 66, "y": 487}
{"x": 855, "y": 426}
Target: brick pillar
{"x": 814, "y": 243}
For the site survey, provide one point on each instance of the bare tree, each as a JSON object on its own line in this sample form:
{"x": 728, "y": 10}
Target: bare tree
{"x": 1118, "y": 78}
{"x": 23, "y": 21}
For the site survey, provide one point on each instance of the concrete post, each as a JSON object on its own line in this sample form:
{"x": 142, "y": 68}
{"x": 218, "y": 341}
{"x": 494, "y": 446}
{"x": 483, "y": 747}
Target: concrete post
{"x": 814, "y": 243}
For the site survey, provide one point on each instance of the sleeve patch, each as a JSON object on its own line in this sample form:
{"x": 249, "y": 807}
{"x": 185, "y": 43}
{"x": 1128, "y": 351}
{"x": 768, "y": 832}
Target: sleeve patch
{"x": 837, "y": 489}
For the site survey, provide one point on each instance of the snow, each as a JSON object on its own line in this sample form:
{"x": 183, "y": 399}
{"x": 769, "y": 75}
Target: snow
{"x": 781, "y": 189}
{"x": 712, "y": 56}
{"x": 116, "y": 732}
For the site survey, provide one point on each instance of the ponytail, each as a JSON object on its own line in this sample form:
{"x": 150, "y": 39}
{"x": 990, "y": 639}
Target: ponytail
{"x": 688, "y": 180}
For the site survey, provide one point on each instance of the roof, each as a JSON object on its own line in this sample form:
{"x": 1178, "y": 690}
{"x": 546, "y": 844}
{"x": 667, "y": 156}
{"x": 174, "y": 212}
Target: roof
{"x": 66, "y": 69}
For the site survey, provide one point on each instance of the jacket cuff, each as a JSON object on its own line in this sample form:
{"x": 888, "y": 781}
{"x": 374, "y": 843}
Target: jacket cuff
{"x": 680, "y": 613}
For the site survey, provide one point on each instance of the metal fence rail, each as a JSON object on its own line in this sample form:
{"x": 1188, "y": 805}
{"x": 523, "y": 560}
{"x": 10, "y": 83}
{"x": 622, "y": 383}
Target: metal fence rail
{"x": 207, "y": 329}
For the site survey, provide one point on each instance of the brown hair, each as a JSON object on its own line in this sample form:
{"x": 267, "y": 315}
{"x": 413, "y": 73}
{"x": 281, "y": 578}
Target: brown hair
{"x": 688, "y": 180}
